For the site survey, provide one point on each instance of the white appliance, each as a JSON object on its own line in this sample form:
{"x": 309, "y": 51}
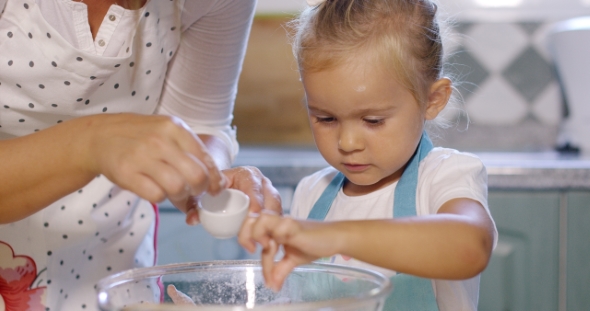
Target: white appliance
{"x": 569, "y": 45}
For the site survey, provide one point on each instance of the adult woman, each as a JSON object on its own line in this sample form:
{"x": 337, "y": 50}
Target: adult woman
{"x": 80, "y": 155}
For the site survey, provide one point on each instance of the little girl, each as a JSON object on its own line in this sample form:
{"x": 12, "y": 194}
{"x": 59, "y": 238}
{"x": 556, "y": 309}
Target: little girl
{"x": 372, "y": 74}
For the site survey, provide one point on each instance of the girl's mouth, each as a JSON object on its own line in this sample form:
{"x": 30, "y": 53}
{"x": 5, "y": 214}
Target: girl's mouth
{"x": 355, "y": 167}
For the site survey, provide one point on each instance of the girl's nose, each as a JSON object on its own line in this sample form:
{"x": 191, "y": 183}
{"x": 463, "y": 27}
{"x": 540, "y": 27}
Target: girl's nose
{"x": 350, "y": 140}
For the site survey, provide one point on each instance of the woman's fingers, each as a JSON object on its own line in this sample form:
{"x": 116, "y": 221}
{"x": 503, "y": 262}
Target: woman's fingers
{"x": 178, "y": 297}
{"x": 272, "y": 199}
{"x": 176, "y": 182}
{"x": 195, "y": 147}
{"x": 253, "y": 183}
{"x": 188, "y": 206}
{"x": 192, "y": 217}
{"x": 248, "y": 180}
{"x": 128, "y": 148}
{"x": 144, "y": 187}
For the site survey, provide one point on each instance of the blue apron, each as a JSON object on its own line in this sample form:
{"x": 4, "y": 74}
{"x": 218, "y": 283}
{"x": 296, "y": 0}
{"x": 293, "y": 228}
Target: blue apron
{"x": 410, "y": 293}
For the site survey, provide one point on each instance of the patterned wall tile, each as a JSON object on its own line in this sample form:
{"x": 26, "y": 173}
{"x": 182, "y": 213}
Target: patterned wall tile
{"x": 529, "y": 27}
{"x": 529, "y": 73}
{"x": 539, "y": 40}
{"x": 506, "y": 73}
{"x": 496, "y": 44}
{"x": 496, "y": 102}
{"x": 509, "y": 86}
{"x": 547, "y": 107}
{"x": 467, "y": 72}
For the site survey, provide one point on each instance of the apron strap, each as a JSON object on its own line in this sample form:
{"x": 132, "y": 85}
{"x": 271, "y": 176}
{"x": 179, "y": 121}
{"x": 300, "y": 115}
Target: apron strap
{"x": 322, "y": 205}
{"x": 404, "y": 200}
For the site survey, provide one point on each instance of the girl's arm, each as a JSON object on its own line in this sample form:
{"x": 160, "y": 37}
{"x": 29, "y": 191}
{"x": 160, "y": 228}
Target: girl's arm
{"x": 456, "y": 243}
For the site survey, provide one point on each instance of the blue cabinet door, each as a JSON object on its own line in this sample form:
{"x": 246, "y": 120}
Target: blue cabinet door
{"x": 523, "y": 272}
{"x": 578, "y": 251}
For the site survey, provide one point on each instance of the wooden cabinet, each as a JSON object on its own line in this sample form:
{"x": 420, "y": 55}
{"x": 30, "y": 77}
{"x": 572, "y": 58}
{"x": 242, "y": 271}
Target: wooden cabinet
{"x": 542, "y": 260}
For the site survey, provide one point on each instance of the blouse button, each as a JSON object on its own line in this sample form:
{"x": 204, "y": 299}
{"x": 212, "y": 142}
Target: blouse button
{"x": 112, "y": 17}
{"x": 101, "y": 42}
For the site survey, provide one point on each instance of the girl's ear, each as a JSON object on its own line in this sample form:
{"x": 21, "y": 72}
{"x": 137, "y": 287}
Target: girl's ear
{"x": 438, "y": 97}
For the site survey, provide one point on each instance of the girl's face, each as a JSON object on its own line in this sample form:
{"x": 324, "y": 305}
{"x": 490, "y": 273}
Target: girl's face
{"x": 365, "y": 124}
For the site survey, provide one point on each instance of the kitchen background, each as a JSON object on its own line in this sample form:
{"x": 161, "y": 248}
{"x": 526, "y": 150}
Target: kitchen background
{"x": 539, "y": 199}
{"x": 496, "y": 48}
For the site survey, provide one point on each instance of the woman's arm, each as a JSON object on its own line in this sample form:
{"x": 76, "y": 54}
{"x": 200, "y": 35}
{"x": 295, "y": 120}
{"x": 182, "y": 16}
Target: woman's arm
{"x": 456, "y": 243}
{"x": 40, "y": 168}
{"x": 154, "y": 156}
{"x": 201, "y": 87}
{"x": 202, "y": 79}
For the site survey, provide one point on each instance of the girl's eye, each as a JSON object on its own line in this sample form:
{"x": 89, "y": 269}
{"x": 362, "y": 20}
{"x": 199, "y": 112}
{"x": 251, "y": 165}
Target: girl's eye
{"x": 374, "y": 121}
{"x": 325, "y": 119}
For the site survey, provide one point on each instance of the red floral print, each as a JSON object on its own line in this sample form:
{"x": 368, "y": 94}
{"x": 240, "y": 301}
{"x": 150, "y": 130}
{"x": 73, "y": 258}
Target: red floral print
{"x": 17, "y": 274}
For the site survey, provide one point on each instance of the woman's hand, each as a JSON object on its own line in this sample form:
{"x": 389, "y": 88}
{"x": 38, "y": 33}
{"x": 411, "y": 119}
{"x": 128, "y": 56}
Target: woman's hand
{"x": 156, "y": 157}
{"x": 248, "y": 179}
{"x": 178, "y": 297}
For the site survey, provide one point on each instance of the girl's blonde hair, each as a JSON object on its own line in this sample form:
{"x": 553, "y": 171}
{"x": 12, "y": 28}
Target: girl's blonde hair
{"x": 402, "y": 36}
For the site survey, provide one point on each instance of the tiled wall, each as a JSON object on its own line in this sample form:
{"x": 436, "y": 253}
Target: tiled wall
{"x": 507, "y": 84}
{"x": 506, "y": 68}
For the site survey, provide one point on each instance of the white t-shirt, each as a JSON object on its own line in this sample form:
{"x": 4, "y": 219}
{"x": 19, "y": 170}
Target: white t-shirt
{"x": 443, "y": 175}
{"x": 201, "y": 83}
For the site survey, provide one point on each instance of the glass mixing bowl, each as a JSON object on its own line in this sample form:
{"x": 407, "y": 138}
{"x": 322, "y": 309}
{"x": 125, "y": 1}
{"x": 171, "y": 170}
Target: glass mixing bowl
{"x": 239, "y": 285}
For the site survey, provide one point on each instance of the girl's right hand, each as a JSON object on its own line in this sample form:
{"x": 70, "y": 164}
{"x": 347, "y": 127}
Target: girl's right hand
{"x": 302, "y": 241}
{"x": 156, "y": 157}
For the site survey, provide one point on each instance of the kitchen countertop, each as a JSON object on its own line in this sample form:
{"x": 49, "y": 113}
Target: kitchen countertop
{"x": 506, "y": 171}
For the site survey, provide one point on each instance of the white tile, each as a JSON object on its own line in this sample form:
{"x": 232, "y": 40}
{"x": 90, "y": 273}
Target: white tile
{"x": 496, "y": 45}
{"x": 547, "y": 107}
{"x": 539, "y": 40}
{"x": 496, "y": 103}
